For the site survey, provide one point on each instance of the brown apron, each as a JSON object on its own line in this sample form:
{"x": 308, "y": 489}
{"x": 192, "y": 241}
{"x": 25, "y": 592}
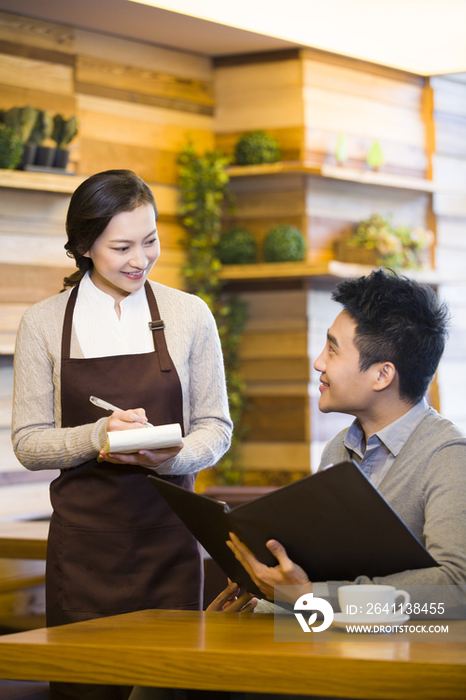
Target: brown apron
{"x": 114, "y": 544}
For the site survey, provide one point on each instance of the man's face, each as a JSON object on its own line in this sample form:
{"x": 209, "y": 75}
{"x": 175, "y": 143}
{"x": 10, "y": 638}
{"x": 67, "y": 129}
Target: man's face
{"x": 344, "y": 388}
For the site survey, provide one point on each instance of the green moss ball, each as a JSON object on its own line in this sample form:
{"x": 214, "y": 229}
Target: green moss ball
{"x": 256, "y": 147}
{"x": 284, "y": 244}
{"x": 11, "y": 147}
{"x": 237, "y": 246}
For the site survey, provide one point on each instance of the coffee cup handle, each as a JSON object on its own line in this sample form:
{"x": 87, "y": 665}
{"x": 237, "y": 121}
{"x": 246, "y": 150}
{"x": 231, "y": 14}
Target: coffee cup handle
{"x": 406, "y": 598}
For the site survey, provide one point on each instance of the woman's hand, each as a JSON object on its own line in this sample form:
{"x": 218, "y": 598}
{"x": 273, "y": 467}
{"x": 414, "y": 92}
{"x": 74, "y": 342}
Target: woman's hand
{"x": 143, "y": 458}
{"x": 126, "y": 420}
{"x": 130, "y": 420}
{"x": 228, "y": 601}
{"x": 286, "y": 573}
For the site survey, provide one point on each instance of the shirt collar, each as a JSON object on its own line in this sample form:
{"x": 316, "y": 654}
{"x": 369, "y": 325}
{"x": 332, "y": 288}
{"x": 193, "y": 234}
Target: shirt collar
{"x": 393, "y": 436}
{"x": 90, "y": 292}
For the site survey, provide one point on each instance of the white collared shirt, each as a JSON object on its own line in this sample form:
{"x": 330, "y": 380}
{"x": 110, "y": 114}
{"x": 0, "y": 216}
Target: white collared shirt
{"x": 101, "y": 333}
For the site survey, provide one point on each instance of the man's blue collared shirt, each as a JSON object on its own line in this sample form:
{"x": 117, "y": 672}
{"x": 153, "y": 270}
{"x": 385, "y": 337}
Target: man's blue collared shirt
{"x": 384, "y": 446}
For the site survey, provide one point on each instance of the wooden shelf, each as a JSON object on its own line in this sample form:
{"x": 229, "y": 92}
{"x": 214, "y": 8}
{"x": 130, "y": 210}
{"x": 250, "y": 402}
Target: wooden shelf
{"x": 44, "y": 182}
{"x": 330, "y": 269}
{"x": 261, "y": 271}
{"x": 335, "y": 172}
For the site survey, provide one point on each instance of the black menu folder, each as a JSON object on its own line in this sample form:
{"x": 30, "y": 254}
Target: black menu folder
{"x": 334, "y": 524}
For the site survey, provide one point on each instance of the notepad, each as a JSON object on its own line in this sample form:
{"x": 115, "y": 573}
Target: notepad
{"x": 156, "y": 438}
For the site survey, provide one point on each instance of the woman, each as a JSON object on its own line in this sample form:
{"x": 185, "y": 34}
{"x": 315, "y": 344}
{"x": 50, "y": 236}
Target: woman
{"x": 114, "y": 545}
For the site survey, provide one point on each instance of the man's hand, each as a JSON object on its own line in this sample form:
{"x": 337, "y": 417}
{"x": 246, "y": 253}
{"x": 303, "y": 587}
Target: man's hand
{"x": 227, "y": 601}
{"x": 286, "y": 573}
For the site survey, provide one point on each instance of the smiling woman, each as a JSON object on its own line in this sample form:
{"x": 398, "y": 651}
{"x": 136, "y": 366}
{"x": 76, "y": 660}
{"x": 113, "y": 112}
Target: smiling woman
{"x": 125, "y": 253}
{"x": 114, "y": 545}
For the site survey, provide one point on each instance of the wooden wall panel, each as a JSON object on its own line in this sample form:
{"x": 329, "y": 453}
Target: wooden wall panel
{"x": 366, "y": 104}
{"x": 36, "y": 33}
{"x": 29, "y": 73}
{"x": 115, "y": 134}
{"x": 275, "y": 366}
{"x": 15, "y": 96}
{"x": 449, "y": 202}
{"x": 124, "y": 77}
{"x": 142, "y": 55}
{"x": 265, "y": 95}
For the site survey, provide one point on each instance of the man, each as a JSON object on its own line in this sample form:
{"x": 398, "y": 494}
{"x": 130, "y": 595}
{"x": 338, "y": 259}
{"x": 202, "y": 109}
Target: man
{"x": 381, "y": 354}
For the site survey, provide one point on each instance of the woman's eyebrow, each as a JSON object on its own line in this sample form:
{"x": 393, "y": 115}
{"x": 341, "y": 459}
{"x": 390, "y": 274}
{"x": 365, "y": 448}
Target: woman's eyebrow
{"x": 127, "y": 240}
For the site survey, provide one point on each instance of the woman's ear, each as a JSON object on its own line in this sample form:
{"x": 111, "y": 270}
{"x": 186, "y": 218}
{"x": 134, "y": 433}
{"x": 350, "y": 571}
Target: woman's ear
{"x": 385, "y": 375}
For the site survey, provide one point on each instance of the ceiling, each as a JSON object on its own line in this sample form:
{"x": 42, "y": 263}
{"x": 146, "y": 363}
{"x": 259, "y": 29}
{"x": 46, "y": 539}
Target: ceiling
{"x": 426, "y": 37}
{"x": 149, "y": 24}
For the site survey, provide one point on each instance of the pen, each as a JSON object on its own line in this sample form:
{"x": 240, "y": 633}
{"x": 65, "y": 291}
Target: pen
{"x": 110, "y": 407}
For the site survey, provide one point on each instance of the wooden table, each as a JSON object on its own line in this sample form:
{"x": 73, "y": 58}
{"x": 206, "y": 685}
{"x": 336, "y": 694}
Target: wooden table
{"x": 23, "y": 539}
{"x": 218, "y": 651}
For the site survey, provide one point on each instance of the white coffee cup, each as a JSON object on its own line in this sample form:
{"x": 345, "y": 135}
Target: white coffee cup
{"x": 372, "y": 601}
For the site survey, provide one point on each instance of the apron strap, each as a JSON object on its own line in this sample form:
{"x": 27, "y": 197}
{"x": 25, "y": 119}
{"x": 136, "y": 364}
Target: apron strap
{"x": 67, "y": 324}
{"x": 157, "y": 327}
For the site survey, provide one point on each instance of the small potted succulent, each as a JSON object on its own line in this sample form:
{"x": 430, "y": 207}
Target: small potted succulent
{"x": 257, "y": 147}
{"x": 64, "y": 131}
{"x": 237, "y": 246}
{"x": 284, "y": 243}
{"x": 11, "y": 147}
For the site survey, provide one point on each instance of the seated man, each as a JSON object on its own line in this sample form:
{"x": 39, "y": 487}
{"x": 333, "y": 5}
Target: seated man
{"x": 381, "y": 354}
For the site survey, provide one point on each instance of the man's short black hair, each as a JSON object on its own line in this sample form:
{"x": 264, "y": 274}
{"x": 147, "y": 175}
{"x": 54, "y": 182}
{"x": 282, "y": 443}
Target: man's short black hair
{"x": 400, "y": 321}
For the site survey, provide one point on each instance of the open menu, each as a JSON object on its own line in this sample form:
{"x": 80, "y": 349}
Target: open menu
{"x": 334, "y": 524}
{"x": 155, "y": 438}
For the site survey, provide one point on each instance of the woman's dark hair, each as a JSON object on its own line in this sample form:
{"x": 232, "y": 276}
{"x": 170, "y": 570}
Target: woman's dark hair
{"x": 400, "y": 321}
{"x": 93, "y": 204}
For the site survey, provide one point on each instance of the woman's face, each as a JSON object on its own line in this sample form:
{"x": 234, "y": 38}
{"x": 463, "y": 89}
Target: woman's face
{"x": 125, "y": 252}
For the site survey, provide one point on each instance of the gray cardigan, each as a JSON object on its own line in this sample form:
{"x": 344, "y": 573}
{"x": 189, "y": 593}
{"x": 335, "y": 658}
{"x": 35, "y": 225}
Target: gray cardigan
{"x": 39, "y": 440}
{"x": 426, "y": 486}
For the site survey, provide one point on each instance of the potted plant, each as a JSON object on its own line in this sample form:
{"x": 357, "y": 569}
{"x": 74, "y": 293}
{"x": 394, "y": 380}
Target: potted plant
{"x": 22, "y": 120}
{"x": 375, "y": 241}
{"x": 11, "y": 147}
{"x": 40, "y": 133}
{"x": 256, "y": 147}
{"x": 64, "y": 131}
{"x": 237, "y": 246}
{"x": 284, "y": 243}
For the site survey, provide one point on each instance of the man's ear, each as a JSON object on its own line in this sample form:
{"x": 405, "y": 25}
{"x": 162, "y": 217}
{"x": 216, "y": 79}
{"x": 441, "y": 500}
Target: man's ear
{"x": 386, "y": 373}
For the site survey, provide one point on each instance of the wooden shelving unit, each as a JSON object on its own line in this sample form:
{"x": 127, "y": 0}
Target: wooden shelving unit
{"x": 332, "y": 269}
{"x": 335, "y": 172}
{"x": 44, "y": 182}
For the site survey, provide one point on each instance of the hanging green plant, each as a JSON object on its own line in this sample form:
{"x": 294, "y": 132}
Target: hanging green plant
{"x": 237, "y": 246}
{"x": 203, "y": 183}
